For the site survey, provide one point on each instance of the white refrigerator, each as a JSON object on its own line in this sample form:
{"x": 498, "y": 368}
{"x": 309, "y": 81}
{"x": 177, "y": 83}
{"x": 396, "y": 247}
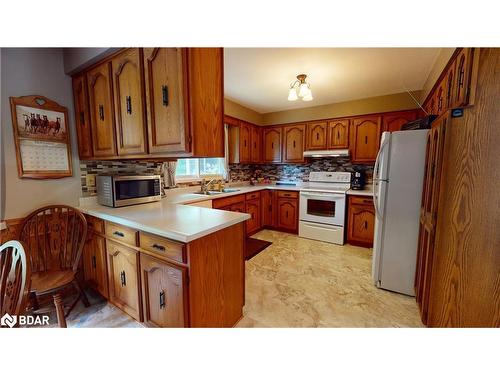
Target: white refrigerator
{"x": 397, "y": 193}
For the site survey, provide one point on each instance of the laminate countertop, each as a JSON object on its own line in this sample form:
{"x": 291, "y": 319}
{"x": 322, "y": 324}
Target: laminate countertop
{"x": 367, "y": 191}
{"x": 174, "y": 221}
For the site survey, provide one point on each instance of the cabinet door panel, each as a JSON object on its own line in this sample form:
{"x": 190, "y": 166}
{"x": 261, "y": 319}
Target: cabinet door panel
{"x": 206, "y": 101}
{"x": 101, "y": 110}
{"x": 293, "y": 143}
{"x": 366, "y": 138}
{"x": 129, "y": 105}
{"x": 256, "y": 144}
{"x": 164, "y": 293}
{"x": 82, "y": 116}
{"x": 463, "y": 66}
{"x": 166, "y": 99}
{"x": 245, "y": 139}
{"x": 288, "y": 214}
{"x": 253, "y": 208}
{"x": 316, "y": 136}
{"x": 338, "y": 134}
{"x": 361, "y": 224}
{"x": 124, "y": 278}
{"x": 272, "y": 145}
{"x": 393, "y": 122}
{"x": 268, "y": 208}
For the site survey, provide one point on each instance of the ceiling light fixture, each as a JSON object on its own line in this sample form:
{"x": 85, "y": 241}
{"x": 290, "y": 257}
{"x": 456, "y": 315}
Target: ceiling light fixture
{"x": 300, "y": 89}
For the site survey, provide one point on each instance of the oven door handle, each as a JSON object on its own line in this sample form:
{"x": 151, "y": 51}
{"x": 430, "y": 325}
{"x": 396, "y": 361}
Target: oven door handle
{"x": 326, "y": 195}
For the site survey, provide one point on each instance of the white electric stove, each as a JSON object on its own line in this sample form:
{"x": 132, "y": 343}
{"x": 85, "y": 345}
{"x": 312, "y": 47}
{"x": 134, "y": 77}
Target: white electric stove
{"x": 323, "y": 206}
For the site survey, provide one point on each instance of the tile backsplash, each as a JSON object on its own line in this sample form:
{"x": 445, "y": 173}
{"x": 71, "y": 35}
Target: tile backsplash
{"x": 238, "y": 172}
{"x": 295, "y": 172}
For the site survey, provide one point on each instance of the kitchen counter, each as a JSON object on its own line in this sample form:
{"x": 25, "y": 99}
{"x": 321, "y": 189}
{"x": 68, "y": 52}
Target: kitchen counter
{"x": 188, "y": 195}
{"x": 367, "y": 191}
{"x": 174, "y": 221}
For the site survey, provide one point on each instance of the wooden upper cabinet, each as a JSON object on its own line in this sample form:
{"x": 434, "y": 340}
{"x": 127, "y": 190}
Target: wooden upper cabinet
{"x": 245, "y": 139}
{"x": 316, "y": 136}
{"x": 102, "y": 120}
{"x": 206, "y": 101}
{"x": 365, "y": 138}
{"x": 450, "y": 85}
{"x": 338, "y": 134}
{"x": 463, "y": 70}
{"x": 164, "y": 293}
{"x": 293, "y": 143}
{"x": 441, "y": 97}
{"x": 129, "y": 105}
{"x": 272, "y": 145}
{"x": 165, "y": 72}
{"x": 82, "y": 116}
{"x": 256, "y": 144}
{"x": 392, "y": 122}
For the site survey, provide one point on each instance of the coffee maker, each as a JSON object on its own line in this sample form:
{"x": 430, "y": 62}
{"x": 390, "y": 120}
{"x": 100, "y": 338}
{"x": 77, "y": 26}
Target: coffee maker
{"x": 358, "y": 180}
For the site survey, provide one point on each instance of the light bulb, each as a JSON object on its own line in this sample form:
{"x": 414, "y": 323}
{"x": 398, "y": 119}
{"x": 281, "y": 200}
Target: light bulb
{"x": 304, "y": 90}
{"x": 308, "y": 97}
{"x": 292, "y": 95}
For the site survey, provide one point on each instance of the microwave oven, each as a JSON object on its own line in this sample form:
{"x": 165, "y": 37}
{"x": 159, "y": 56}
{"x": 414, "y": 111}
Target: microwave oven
{"x": 126, "y": 190}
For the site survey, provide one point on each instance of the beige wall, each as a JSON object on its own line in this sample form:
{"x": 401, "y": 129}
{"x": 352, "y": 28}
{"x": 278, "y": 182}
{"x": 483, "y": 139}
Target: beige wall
{"x": 386, "y": 103}
{"x": 243, "y": 113}
{"x": 441, "y": 61}
{"x": 29, "y": 71}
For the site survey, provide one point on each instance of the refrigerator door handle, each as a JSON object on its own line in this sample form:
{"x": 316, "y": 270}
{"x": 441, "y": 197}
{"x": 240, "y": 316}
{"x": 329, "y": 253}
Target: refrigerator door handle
{"x": 376, "y": 180}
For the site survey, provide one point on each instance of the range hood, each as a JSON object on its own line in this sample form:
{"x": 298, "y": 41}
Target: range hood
{"x": 326, "y": 153}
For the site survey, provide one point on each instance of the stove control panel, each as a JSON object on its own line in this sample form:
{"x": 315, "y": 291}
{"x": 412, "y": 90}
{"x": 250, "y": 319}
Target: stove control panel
{"x": 335, "y": 177}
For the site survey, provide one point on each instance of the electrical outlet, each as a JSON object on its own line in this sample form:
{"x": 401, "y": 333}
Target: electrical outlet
{"x": 90, "y": 180}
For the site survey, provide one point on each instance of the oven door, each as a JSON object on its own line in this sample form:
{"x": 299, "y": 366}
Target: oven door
{"x": 133, "y": 190}
{"x": 326, "y": 208}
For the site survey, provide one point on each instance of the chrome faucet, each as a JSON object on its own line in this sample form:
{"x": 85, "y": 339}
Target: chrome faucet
{"x": 205, "y": 185}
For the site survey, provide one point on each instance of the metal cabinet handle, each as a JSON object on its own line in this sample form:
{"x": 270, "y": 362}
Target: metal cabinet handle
{"x": 101, "y": 112}
{"x": 338, "y": 134}
{"x": 366, "y": 224}
{"x": 123, "y": 278}
{"x": 128, "y": 100}
{"x": 272, "y": 145}
{"x": 162, "y": 300}
{"x": 293, "y": 144}
{"x": 286, "y": 214}
{"x": 164, "y": 93}
{"x": 119, "y": 234}
{"x": 82, "y": 117}
{"x": 317, "y": 136}
{"x": 158, "y": 247}
{"x": 94, "y": 263}
{"x": 366, "y": 139}
{"x": 245, "y": 142}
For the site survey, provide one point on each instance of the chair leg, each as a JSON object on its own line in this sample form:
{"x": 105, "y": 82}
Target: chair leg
{"x": 59, "y": 311}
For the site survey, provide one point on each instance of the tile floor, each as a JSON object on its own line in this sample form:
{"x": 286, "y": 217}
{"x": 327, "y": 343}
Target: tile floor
{"x": 296, "y": 282}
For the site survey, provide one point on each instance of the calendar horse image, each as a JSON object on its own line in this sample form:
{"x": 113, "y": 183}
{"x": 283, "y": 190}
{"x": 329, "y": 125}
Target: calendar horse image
{"x": 34, "y": 123}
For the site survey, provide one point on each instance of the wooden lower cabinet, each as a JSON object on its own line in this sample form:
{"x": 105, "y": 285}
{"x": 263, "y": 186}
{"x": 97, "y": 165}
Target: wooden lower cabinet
{"x": 253, "y": 208}
{"x": 288, "y": 214}
{"x": 268, "y": 208}
{"x": 164, "y": 293}
{"x": 361, "y": 221}
{"x": 94, "y": 264}
{"x": 124, "y": 278}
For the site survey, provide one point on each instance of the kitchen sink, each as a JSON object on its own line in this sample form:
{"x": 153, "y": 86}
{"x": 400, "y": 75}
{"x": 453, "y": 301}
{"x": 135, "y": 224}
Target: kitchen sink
{"x": 215, "y": 192}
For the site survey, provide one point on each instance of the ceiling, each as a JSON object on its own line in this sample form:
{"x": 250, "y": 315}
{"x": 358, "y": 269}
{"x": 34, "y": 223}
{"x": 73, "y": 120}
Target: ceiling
{"x": 259, "y": 78}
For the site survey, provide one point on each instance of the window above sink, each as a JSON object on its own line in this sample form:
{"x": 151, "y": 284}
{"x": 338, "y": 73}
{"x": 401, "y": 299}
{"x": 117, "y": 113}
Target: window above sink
{"x": 196, "y": 169}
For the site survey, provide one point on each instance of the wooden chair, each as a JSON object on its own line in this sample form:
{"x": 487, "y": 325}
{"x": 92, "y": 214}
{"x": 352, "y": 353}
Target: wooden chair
{"x": 14, "y": 279}
{"x": 54, "y": 237}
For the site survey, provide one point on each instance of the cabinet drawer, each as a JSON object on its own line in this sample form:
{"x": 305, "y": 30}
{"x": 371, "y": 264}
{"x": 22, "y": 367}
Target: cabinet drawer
{"x": 361, "y": 200}
{"x": 223, "y": 202}
{"x": 254, "y": 195}
{"x": 121, "y": 233}
{"x": 95, "y": 224}
{"x": 288, "y": 194}
{"x": 162, "y": 247}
